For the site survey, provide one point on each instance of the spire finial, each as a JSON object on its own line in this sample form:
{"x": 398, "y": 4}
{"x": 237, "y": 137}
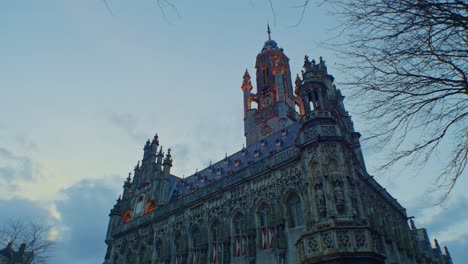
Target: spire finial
{"x": 129, "y": 178}
{"x": 268, "y": 31}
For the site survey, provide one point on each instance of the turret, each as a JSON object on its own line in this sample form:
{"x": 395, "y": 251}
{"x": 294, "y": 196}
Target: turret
{"x": 127, "y": 187}
{"x": 160, "y": 156}
{"x": 153, "y": 149}
{"x": 246, "y": 88}
{"x": 136, "y": 175}
{"x": 146, "y": 150}
{"x": 316, "y": 87}
{"x": 167, "y": 164}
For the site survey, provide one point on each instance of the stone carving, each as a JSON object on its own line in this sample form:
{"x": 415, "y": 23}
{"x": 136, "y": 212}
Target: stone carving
{"x": 343, "y": 239}
{"x": 327, "y": 240}
{"x": 291, "y": 177}
{"x": 339, "y": 196}
{"x": 360, "y": 237}
{"x": 320, "y": 199}
{"x": 312, "y": 245}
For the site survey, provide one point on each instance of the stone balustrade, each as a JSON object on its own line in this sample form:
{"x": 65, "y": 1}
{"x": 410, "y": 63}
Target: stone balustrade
{"x": 338, "y": 241}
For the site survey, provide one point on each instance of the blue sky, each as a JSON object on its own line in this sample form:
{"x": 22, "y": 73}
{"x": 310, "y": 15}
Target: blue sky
{"x": 81, "y": 90}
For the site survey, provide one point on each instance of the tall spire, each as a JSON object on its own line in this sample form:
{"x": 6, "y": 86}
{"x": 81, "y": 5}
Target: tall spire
{"x": 268, "y": 31}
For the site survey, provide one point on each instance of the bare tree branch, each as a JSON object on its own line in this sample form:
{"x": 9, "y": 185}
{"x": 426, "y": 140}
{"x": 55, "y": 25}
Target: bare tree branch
{"x": 409, "y": 61}
{"x": 35, "y": 236}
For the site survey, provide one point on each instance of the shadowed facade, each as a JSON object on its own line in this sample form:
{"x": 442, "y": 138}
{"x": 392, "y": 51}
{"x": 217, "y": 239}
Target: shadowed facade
{"x": 298, "y": 192}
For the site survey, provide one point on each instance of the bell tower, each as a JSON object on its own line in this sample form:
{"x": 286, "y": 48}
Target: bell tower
{"x": 274, "y": 98}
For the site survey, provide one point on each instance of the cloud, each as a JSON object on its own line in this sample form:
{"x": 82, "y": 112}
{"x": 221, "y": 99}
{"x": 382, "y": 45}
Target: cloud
{"x": 14, "y": 169}
{"x": 84, "y": 215}
{"x": 18, "y": 208}
{"x": 128, "y": 123}
{"x": 79, "y": 221}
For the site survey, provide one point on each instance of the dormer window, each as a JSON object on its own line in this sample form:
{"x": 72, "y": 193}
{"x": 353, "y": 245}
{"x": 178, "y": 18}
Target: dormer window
{"x": 256, "y": 154}
{"x": 244, "y": 151}
{"x": 236, "y": 163}
{"x": 278, "y": 143}
{"x": 218, "y": 172}
{"x": 262, "y": 142}
{"x": 284, "y": 132}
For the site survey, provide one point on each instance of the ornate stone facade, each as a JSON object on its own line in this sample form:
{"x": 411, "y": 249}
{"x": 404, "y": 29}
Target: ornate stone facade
{"x": 297, "y": 193}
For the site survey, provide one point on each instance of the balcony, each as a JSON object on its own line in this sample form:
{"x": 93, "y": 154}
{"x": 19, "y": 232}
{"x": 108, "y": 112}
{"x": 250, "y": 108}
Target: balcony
{"x": 339, "y": 243}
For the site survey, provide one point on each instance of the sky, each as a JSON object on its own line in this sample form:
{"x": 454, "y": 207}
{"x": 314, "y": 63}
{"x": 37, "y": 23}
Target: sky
{"x": 82, "y": 88}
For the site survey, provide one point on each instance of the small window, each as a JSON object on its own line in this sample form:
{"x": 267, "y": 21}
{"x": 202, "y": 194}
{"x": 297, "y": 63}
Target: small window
{"x": 284, "y": 132}
{"x": 236, "y": 163}
{"x": 256, "y": 154}
{"x": 262, "y": 142}
{"x": 218, "y": 172}
{"x": 140, "y": 205}
{"x": 278, "y": 143}
{"x": 312, "y": 107}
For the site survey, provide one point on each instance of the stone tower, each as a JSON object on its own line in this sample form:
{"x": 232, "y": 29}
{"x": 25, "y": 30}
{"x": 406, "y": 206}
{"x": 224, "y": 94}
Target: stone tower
{"x": 274, "y": 97}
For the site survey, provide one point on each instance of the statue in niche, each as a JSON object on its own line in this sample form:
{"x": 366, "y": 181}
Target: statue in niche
{"x": 320, "y": 198}
{"x": 332, "y": 166}
{"x": 339, "y": 197}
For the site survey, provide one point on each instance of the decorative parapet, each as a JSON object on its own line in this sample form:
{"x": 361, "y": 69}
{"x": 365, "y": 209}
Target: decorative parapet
{"x": 322, "y": 131}
{"x": 339, "y": 241}
{"x": 316, "y": 115}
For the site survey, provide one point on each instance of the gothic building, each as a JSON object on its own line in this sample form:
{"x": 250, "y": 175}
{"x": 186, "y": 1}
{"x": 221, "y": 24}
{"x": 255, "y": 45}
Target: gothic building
{"x": 298, "y": 192}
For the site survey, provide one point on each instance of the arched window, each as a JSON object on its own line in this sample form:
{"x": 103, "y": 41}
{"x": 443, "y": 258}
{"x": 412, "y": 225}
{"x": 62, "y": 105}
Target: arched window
{"x": 285, "y": 82}
{"x": 196, "y": 245}
{"x": 196, "y": 237}
{"x": 178, "y": 247}
{"x": 216, "y": 243}
{"x": 295, "y": 211}
{"x": 129, "y": 258}
{"x": 266, "y": 76}
{"x": 178, "y": 243}
{"x": 126, "y": 217}
{"x": 297, "y": 108}
{"x": 266, "y": 232}
{"x": 312, "y": 107}
{"x": 239, "y": 242}
{"x": 159, "y": 248}
{"x": 141, "y": 255}
{"x": 253, "y": 105}
{"x": 315, "y": 167}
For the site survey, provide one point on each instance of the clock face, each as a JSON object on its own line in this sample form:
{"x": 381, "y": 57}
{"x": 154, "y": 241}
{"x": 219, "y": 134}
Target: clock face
{"x": 267, "y": 102}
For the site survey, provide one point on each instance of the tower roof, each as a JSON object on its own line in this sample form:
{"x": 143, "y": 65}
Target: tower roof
{"x": 270, "y": 44}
